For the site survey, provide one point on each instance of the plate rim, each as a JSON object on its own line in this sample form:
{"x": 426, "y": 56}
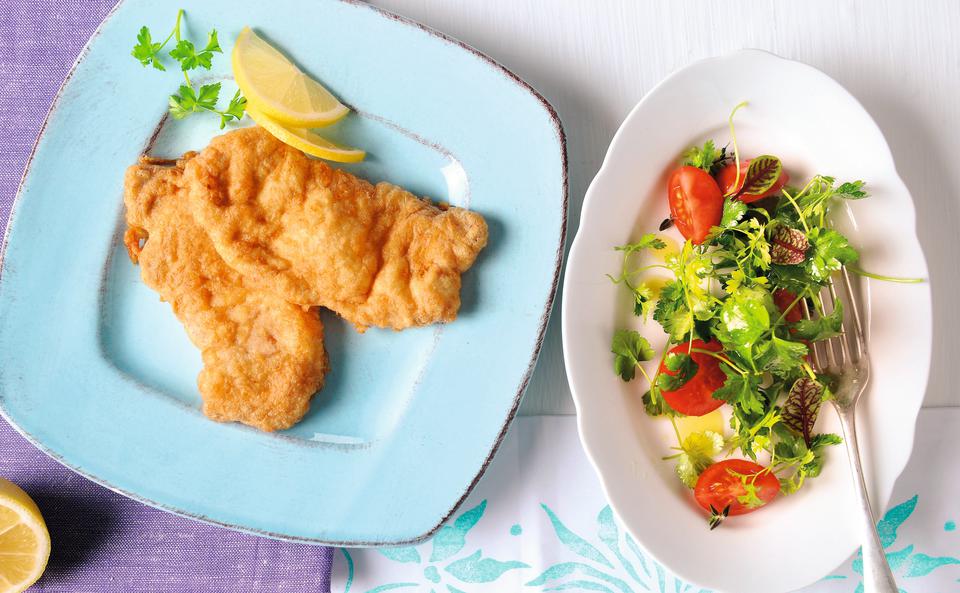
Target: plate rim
{"x": 543, "y": 322}
{"x": 590, "y": 196}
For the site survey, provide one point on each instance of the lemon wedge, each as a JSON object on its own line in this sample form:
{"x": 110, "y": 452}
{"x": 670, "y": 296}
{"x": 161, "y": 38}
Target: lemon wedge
{"x": 276, "y": 87}
{"x": 307, "y": 141}
{"x": 24, "y": 541}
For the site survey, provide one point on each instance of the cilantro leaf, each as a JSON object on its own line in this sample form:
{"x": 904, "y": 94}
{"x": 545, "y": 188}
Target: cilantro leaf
{"x": 145, "y": 51}
{"x": 733, "y": 212}
{"x": 741, "y": 391}
{"x": 630, "y": 349}
{"x": 706, "y": 157}
{"x": 829, "y": 250}
{"x": 679, "y": 368}
{"x": 697, "y": 453}
{"x": 654, "y": 404}
{"x": 744, "y": 319}
{"x": 671, "y": 311}
{"x": 821, "y": 328}
{"x": 781, "y": 357}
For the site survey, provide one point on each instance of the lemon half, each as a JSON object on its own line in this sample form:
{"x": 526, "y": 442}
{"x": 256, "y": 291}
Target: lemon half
{"x": 307, "y": 141}
{"x": 24, "y": 541}
{"x": 275, "y": 87}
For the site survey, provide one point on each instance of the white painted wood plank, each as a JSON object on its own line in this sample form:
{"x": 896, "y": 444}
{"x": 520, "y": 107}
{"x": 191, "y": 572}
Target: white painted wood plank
{"x": 595, "y": 59}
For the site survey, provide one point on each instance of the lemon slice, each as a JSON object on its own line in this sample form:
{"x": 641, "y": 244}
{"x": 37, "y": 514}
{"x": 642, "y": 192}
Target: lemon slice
{"x": 307, "y": 141}
{"x": 24, "y": 541}
{"x": 276, "y": 87}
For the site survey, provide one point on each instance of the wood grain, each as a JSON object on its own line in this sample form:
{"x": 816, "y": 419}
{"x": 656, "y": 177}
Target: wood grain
{"x": 595, "y": 59}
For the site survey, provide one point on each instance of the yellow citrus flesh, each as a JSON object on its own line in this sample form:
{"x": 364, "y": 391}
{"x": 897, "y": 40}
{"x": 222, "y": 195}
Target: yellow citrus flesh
{"x": 687, "y": 425}
{"x": 24, "y": 541}
{"x": 307, "y": 141}
{"x": 276, "y": 87}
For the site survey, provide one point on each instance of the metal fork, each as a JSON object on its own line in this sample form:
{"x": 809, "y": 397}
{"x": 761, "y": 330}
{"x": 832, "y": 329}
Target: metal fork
{"x": 847, "y": 358}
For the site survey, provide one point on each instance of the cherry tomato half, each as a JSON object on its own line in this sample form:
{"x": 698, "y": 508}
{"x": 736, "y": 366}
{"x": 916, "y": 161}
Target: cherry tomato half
{"x": 695, "y": 397}
{"x": 730, "y": 482}
{"x": 728, "y": 175}
{"x": 696, "y": 203}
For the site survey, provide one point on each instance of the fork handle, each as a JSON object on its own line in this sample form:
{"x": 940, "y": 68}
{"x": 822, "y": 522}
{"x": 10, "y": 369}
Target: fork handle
{"x": 877, "y": 577}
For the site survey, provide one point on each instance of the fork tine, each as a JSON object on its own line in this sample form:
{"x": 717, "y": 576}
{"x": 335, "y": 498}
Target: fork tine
{"x": 814, "y": 351}
{"x": 842, "y": 340}
{"x": 860, "y": 338}
{"x": 825, "y": 299}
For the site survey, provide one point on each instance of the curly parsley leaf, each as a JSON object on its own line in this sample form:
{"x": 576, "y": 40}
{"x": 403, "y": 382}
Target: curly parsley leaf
{"x": 679, "y": 368}
{"x": 697, "y": 453}
{"x": 629, "y": 349}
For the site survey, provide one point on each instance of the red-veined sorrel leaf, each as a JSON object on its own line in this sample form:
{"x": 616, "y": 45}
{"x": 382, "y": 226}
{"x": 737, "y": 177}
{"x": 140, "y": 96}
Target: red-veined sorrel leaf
{"x": 802, "y": 406}
{"x": 762, "y": 173}
{"x": 788, "y": 246}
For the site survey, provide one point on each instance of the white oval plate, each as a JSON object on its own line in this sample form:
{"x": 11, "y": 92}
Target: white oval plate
{"x": 815, "y": 126}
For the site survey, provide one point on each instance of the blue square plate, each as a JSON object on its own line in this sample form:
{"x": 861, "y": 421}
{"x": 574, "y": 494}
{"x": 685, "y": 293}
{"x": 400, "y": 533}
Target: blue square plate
{"x": 96, "y": 371}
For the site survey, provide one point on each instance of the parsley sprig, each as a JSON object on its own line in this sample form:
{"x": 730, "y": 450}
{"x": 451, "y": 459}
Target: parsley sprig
{"x": 188, "y": 99}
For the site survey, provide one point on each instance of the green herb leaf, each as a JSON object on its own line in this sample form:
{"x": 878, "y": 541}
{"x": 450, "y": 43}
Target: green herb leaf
{"x": 648, "y": 241}
{"x": 654, "y": 404}
{"x": 188, "y": 56}
{"x": 741, "y": 391}
{"x": 829, "y": 250}
{"x": 733, "y": 212}
{"x": 851, "y": 190}
{"x": 629, "y": 349}
{"x": 145, "y": 51}
{"x": 802, "y": 407}
{"x": 781, "y": 357}
{"x": 679, "y": 368}
{"x": 706, "y": 157}
{"x": 671, "y": 311}
{"x": 761, "y": 175}
{"x": 698, "y": 451}
{"x": 821, "y": 328}
{"x": 744, "y": 319}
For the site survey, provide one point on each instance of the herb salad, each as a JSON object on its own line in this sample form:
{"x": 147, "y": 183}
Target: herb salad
{"x": 757, "y": 250}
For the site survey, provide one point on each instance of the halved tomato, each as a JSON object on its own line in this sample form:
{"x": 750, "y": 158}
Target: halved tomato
{"x": 741, "y": 485}
{"x": 696, "y": 203}
{"x": 695, "y": 397}
{"x": 728, "y": 176}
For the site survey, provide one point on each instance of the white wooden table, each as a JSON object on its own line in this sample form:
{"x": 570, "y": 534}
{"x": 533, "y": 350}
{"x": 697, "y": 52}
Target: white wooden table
{"x": 594, "y": 59}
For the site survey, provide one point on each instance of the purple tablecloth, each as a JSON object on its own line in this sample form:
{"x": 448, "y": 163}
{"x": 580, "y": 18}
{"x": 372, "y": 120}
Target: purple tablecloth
{"x": 104, "y": 542}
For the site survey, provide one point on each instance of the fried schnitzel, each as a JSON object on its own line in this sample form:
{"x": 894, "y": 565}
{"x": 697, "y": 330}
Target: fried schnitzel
{"x": 319, "y": 236}
{"x": 263, "y": 358}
